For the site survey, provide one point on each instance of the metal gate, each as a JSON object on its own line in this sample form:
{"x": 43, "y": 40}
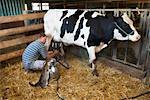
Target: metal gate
{"x": 142, "y": 46}
{"x": 137, "y": 54}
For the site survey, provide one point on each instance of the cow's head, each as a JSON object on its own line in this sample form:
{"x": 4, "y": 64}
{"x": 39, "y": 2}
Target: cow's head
{"x": 124, "y": 29}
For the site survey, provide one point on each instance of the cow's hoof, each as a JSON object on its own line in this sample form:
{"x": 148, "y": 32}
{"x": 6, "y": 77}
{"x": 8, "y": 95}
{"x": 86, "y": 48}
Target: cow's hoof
{"x": 95, "y": 73}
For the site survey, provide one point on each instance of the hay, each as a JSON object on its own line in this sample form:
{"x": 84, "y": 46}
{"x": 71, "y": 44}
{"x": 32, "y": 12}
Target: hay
{"x": 77, "y": 83}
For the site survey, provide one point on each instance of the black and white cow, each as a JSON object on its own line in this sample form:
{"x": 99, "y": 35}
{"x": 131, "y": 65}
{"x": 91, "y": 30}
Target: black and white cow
{"x": 88, "y": 29}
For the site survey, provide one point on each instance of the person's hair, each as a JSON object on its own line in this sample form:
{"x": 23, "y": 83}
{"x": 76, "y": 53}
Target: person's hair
{"x": 42, "y": 34}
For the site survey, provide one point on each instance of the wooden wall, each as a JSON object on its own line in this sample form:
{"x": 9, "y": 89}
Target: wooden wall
{"x": 17, "y": 34}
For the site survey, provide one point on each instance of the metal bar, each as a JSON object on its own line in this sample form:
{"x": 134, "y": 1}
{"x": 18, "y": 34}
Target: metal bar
{"x": 148, "y": 46}
{"x": 127, "y": 42}
{"x": 147, "y": 60}
{"x": 125, "y": 10}
{"x": 139, "y": 54}
{"x": 114, "y": 50}
{"x": 126, "y": 51}
{"x": 1, "y": 10}
{"x": 142, "y": 25}
{"x": 144, "y": 22}
{"x": 18, "y": 6}
{"x": 148, "y": 24}
{"x": 9, "y": 10}
{"x": 15, "y": 7}
{"x": 141, "y": 20}
{"x": 12, "y": 7}
{"x": 4, "y": 8}
{"x": 22, "y": 6}
{"x": 142, "y": 10}
{"x": 126, "y": 63}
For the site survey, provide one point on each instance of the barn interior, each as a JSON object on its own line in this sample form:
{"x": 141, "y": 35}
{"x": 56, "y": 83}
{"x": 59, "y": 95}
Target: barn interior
{"x": 123, "y": 66}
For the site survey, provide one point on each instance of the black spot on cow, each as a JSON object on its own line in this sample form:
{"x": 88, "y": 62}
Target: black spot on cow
{"x": 79, "y": 29}
{"x": 63, "y": 27}
{"x": 84, "y": 43}
{"x": 101, "y": 30}
{"x": 82, "y": 36}
{"x": 88, "y": 15}
{"x": 64, "y": 14}
{"x": 70, "y": 22}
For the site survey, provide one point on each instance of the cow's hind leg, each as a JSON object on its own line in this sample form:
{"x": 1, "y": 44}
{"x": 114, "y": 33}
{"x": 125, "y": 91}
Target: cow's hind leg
{"x": 63, "y": 61}
{"x": 92, "y": 58}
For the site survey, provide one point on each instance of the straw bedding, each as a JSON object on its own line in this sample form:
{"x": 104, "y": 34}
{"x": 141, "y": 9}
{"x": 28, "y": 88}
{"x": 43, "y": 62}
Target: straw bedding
{"x": 76, "y": 83}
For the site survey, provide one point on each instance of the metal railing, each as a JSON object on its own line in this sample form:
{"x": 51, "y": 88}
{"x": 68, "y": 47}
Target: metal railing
{"x": 143, "y": 46}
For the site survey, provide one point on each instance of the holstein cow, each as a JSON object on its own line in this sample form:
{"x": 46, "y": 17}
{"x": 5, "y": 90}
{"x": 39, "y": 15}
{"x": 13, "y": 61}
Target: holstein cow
{"x": 88, "y": 29}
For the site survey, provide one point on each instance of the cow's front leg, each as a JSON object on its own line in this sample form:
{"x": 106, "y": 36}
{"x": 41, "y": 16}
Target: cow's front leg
{"x": 48, "y": 42}
{"x": 92, "y": 58}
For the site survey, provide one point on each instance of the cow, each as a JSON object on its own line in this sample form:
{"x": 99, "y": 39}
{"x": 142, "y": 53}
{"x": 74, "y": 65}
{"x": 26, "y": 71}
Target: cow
{"x": 88, "y": 29}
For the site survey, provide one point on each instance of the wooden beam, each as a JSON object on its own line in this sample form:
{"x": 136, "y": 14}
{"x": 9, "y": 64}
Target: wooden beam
{"x": 7, "y": 19}
{"x": 14, "y": 31}
{"x": 18, "y": 53}
{"x": 11, "y": 55}
{"x": 18, "y": 41}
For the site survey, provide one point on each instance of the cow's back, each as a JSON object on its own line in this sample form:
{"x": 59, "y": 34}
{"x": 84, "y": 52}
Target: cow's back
{"x": 53, "y": 21}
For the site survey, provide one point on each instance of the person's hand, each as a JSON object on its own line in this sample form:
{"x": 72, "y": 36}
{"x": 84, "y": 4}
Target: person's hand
{"x": 52, "y": 54}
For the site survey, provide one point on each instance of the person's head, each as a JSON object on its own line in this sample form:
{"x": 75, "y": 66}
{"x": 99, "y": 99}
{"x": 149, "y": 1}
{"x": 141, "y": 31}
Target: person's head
{"x": 42, "y": 37}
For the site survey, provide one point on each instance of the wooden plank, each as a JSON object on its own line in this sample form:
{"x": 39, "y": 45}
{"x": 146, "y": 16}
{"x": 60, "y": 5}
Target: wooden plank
{"x": 11, "y": 55}
{"x": 14, "y": 42}
{"x": 7, "y": 19}
{"x": 13, "y": 31}
{"x": 18, "y": 53}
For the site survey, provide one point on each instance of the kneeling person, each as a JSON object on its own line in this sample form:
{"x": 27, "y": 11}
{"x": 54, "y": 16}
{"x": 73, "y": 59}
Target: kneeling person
{"x": 32, "y": 53}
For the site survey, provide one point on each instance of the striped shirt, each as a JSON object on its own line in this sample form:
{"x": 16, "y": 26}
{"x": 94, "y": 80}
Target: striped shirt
{"x": 32, "y": 53}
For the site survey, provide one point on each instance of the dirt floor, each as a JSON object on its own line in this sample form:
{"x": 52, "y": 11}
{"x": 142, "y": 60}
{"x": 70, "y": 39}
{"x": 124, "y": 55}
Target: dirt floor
{"x": 76, "y": 83}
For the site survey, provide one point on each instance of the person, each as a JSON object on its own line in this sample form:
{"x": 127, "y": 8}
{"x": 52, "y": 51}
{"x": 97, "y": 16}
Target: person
{"x": 33, "y": 52}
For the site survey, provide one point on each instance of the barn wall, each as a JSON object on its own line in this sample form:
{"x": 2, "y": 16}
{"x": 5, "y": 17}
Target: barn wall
{"x": 11, "y": 7}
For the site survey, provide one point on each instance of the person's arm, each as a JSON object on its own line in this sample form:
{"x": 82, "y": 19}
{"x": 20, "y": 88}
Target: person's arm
{"x": 52, "y": 54}
{"x": 43, "y": 52}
